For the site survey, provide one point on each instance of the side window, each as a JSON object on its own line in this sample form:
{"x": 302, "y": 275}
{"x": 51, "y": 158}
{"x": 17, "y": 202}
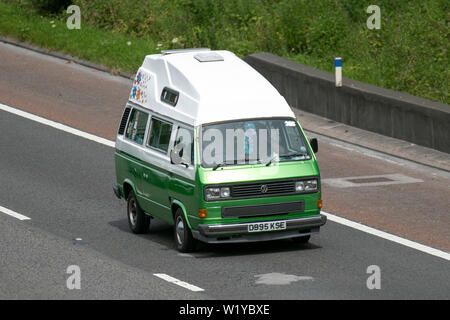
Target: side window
{"x": 136, "y": 126}
{"x": 160, "y": 134}
{"x": 170, "y": 96}
{"x": 184, "y": 142}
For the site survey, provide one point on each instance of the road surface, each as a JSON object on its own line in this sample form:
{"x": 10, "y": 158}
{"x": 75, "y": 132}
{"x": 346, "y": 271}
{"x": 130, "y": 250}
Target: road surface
{"x": 60, "y": 185}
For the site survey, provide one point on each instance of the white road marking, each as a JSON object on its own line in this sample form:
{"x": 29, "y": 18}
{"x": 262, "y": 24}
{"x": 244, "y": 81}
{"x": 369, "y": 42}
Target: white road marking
{"x": 185, "y": 255}
{"x": 276, "y": 278}
{"x": 348, "y": 182}
{"x": 58, "y": 125}
{"x": 178, "y": 282}
{"x": 331, "y": 217}
{"x": 13, "y": 214}
{"x": 388, "y": 236}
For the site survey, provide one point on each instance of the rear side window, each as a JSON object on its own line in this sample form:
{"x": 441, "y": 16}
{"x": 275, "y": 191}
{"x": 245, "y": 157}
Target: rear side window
{"x": 136, "y": 126}
{"x": 160, "y": 135}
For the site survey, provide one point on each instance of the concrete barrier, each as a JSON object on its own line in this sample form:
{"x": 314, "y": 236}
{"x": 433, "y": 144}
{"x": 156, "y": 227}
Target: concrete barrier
{"x": 391, "y": 113}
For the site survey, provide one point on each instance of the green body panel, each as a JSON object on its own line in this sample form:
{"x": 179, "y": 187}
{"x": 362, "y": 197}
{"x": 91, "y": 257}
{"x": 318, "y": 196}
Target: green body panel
{"x": 286, "y": 170}
{"x": 257, "y": 172}
{"x": 157, "y": 192}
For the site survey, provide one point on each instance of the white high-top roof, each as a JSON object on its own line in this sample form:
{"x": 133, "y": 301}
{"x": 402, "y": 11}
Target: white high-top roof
{"x": 213, "y": 91}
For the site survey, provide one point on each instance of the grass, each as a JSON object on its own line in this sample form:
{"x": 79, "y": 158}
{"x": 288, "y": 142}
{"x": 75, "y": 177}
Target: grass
{"x": 409, "y": 53}
{"x": 89, "y": 43}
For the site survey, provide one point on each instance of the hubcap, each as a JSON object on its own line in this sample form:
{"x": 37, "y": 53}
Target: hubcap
{"x": 179, "y": 228}
{"x": 132, "y": 212}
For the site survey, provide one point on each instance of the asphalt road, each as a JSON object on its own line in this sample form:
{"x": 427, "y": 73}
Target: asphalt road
{"x": 63, "y": 183}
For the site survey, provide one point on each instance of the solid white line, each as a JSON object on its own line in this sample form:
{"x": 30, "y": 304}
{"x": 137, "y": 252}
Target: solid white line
{"x": 13, "y": 214}
{"x": 331, "y": 217}
{"x": 57, "y": 125}
{"x": 388, "y": 236}
{"x": 178, "y": 282}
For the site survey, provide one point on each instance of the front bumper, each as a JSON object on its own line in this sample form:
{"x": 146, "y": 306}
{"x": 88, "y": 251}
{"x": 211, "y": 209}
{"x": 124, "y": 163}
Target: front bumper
{"x": 238, "y": 232}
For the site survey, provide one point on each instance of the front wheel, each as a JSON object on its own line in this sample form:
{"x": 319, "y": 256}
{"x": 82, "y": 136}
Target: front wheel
{"x": 183, "y": 235}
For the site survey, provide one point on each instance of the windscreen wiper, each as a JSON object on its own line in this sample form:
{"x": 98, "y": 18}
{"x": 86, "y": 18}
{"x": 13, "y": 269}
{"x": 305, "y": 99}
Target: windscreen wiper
{"x": 271, "y": 160}
{"x": 241, "y": 161}
{"x": 220, "y": 164}
{"x": 295, "y": 155}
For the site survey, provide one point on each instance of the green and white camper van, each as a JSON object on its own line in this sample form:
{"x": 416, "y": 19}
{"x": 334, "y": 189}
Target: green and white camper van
{"x": 209, "y": 146}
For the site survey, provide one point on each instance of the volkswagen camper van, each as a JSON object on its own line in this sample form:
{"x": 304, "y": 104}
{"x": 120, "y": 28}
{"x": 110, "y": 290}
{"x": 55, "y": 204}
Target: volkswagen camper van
{"x": 209, "y": 146}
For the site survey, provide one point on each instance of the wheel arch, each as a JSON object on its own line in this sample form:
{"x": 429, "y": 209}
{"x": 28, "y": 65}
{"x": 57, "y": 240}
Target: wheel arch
{"x": 175, "y": 204}
{"x": 128, "y": 185}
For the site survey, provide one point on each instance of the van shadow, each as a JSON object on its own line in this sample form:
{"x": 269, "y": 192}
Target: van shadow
{"x": 159, "y": 231}
{"x": 162, "y": 233}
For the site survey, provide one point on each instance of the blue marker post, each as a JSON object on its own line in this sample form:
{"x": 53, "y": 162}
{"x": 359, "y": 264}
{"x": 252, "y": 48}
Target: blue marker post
{"x": 338, "y": 71}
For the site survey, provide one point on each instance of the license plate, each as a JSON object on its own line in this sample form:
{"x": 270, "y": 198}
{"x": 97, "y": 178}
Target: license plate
{"x": 266, "y": 226}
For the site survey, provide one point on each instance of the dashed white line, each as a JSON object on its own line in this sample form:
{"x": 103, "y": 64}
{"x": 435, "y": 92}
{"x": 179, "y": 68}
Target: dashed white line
{"x": 58, "y": 125}
{"x": 388, "y": 236}
{"x": 178, "y": 282}
{"x": 331, "y": 217}
{"x": 13, "y": 214}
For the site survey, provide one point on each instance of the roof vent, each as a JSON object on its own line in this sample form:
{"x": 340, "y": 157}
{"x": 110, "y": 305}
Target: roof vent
{"x": 166, "y": 52}
{"x": 208, "y": 57}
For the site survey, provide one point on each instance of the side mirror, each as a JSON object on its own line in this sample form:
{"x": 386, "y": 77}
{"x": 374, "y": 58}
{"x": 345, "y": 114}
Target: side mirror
{"x": 314, "y": 145}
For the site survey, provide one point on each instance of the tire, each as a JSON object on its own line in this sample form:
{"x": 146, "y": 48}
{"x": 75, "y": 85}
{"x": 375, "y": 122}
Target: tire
{"x": 138, "y": 221}
{"x": 303, "y": 239}
{"x": 184, "y": 241}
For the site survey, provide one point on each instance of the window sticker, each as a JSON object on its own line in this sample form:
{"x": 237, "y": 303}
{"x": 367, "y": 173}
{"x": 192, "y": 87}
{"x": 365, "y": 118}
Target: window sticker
{"x": 289, "y": 123}
{"x": 140, "y": 86}
{"x": 249, "y": 139}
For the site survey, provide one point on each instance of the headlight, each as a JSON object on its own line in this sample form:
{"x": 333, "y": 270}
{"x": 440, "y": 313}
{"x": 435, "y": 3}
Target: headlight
{"x": 306, "y": 186}
{"x": 217, "y": 193}
{"x": 299, "y": 186}
{"x": 224, "y": 192}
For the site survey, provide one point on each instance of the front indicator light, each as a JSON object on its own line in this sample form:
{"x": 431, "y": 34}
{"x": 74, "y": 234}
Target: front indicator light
{"x": 202, "y": 213}
{"x": 319, "y": 204}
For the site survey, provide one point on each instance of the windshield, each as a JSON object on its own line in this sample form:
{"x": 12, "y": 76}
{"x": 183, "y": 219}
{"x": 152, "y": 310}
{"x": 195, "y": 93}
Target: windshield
{"x": 253, "y": 141}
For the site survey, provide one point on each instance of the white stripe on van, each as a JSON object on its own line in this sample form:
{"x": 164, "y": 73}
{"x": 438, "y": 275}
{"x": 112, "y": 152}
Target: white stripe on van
{"x": 331, "y": 217}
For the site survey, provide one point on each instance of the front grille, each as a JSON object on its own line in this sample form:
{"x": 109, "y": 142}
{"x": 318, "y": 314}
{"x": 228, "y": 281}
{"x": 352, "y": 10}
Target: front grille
{"x": 262, "y": 189}
{"x": 263, "y": 210}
